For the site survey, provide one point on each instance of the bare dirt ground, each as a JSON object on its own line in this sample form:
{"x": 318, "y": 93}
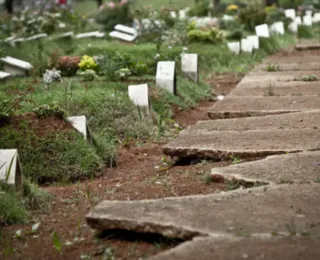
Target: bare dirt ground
{"x": 141, "y": 173}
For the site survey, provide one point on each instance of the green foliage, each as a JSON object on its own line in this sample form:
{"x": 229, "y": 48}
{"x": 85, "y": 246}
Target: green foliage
{"x": 53, "y": 157}
{"x": 252, "y": 15}
{"x": 49, "y": 110}
{"x": 211, "y": 35}
{"x": 56, "y": 241}
{"x": 273, "y": 67}
{"x": 12, "y": 210}
{"x": 87, "y": 63}
{"x": 34, "y": 198}
{"x": 108, "y": 17}
{"x": 201, "y": 8}
{"x": 88, "y": 75}
{"x": 304, "y": 31}
{"x": 311, "y": 77}
{"x": 236, "y": 34}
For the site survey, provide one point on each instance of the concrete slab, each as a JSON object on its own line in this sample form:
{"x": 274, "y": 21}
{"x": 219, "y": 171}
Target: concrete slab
{"x": 276, "y": 248}
{"x": 302, "y": 47}
{"x": 278, "y": 76}
{"x": 288, "y": 168}
{"x": 299, "y": 120}
{"x": 289, "y": 66}
{"x": 293, "y": 88}
{"x": 259, "y": 211}
{"x": 234, "y": 106}
{"x": 252, "y": 143}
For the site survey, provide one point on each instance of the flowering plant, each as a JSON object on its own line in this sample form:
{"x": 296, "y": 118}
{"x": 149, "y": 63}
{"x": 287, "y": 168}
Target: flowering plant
{"x": 52, "y": 76}
{"x": 68, "y": 65}
{"x": 87, "y": 63}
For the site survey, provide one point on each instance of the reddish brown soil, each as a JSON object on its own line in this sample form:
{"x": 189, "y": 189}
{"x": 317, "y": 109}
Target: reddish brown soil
{"x": 40, "y": 126}
{"x": 141, "y": 173}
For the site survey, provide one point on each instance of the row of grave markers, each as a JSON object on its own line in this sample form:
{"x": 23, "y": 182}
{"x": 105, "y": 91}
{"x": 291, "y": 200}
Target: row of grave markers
{"x": 263, "y": 31}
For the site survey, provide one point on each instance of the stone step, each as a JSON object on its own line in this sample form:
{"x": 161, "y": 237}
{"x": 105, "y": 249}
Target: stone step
{"x": 299, "y": 120}
{"x": 265, "y": 210}
{"x": 293, "y": 88}
{"x": 252, "y": 143}
{"x": 288, "y": 168}
{"x": 280, "y": 66}
{"x": 244, "y": 106}
{"x": 278, "y": 76}
{"x": 226, "y": 248}
{"x": 303, "y": 47}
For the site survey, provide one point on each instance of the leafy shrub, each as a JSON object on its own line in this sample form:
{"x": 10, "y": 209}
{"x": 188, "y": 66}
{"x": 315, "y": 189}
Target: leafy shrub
{"x": 49, "y": 110}
{"x": 236, "y": 34}
{"x": 211, "y": 35}
{"x": 88, "y": 75}
{"x": 87, "y": 63}
{"x": 201, "y": 8}
{"x": 68, "y": 65}
{"x": 114, "y": 13}
{"x": 252, "y": 15}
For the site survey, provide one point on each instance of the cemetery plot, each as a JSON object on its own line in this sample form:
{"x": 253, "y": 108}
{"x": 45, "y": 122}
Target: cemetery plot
{"x": 10, "y": 168}
{"x": 234, "y": 47}
{"x": 4, "y": 75}
{"x": 277, "y": 28}
{"x": 246, "y": 45}
{"x": 95, "y": 34}
{"x": 80, "y": 124}
{"x": 166, "y": 76}
{"x": 254, "y": 39}
{"x": 122, "y": 36}
{"x": 189, "y": 65}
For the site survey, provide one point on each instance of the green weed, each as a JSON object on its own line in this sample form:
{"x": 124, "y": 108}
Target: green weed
{"x": 273, "y": 67}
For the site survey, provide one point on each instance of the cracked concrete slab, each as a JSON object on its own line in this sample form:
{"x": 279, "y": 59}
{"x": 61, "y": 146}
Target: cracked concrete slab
{"x": 244, "y": 106}
{"x": 294, "y": 88}
{"x": 264, "y": 210}
{"x": 287, "y": 168}
{"x": 275, "y": 248}
{"x": 299, "y": 120}
{"x": 310, "y": 46}
{"x": 222, "y": 144}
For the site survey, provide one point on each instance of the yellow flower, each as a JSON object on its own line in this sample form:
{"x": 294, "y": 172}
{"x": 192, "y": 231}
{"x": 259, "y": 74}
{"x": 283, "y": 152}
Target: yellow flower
{"x": 232, "y": 7}
{"x": 87, "y": 62}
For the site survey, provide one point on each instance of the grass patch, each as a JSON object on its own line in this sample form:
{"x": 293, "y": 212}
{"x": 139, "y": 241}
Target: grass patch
{"x": 305, "y": 31}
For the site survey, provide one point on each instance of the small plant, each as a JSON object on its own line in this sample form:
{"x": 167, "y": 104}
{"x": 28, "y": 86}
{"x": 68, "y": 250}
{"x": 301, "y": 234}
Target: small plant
{"x": 68, "y": 65}
{"x": 311, "y": 77}
{"x": 56, "y": 241}
{"x": 87, "y": 63}
{"x": 88, "y": 75}
{"x": 273, "y": 67}
{"x": 49, "y": 110}
{"x": 123, "y": 73}
{"x": 209, "y": 35}
{"x": 51, "y": 76}
{"x": 235, "y": 160}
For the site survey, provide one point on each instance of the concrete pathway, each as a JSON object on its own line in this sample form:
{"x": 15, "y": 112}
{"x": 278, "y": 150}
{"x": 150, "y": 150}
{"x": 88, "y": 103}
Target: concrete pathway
{"x": 272, "y": 114}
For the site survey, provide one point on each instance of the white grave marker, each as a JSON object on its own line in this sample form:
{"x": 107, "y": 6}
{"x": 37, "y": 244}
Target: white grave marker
{"x": 308, "y": 12}
{"x": 65, "y": 35}
{"x": 262, "y": 31}
{"x": 277, "y": 28}
{"x": 290, "y": 13}
{"x": 16, "y": 67}
{"x": 80, "y": 124}
{"x": 95, "y": 34}
{"x": 166, "y": 76}
{"x": 36, "y": 37}
{"x": 293, "y": 27}
{"x": 182, "y": 14}
{"x": 246, "y": 45}
{"x": 189, "y": 65}
{"x": 316, "y": 17}
{"x": 125, "y": 29}
{"x": 298, "y": 20}
{"x": 173, "y": 14}
{"x": 122, "y": 36}
{"x": 4, "y": 75}
{"x": 307, "y": 20}
{"x": 9, "y": 160}
{"x": 139, "y": 95}
{"x": 254, "y": 39}
{"x": 234, "y": 47}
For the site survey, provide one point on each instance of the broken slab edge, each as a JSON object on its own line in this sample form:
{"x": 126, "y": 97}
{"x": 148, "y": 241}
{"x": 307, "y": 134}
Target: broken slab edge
{"x": 239, "y": 114}
{"x": 96, "y": 221}
{"x": 305, "y": 47}
{"x": 187, "y": 152}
